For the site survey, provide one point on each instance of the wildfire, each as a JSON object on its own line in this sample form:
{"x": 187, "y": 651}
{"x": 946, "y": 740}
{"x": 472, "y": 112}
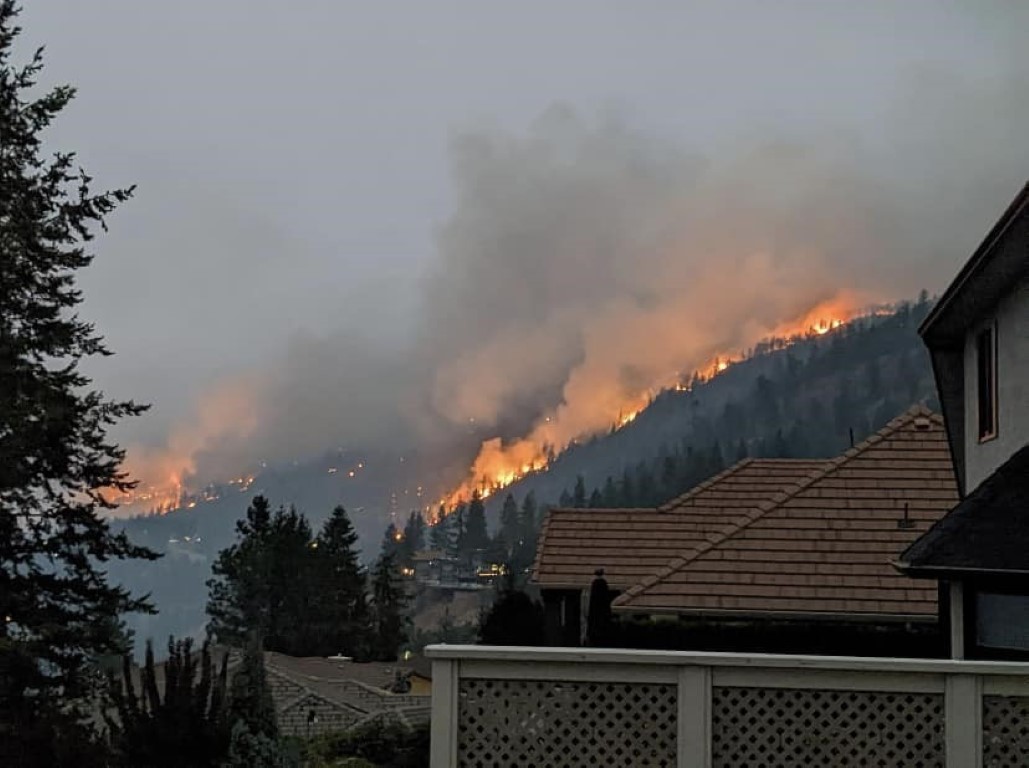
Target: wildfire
{"x": 498, "y": 465}
{"x": 628, "y": 418}
{"x": 228, "y": 410}
{"x": 231, "y": 410}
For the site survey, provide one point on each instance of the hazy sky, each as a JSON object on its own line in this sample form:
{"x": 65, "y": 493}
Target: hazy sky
{"x": 294, "y": 160}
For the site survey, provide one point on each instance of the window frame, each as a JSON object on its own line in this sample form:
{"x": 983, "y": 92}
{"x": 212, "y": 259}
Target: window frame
{"x": 1015, "y": 586}
{"x": 985, "y": 436}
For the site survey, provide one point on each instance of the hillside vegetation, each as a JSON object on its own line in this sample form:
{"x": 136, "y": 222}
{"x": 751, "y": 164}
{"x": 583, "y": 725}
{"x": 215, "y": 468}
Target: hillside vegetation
{"x": 805, "y": 398}
{"x": 810, "y": 398}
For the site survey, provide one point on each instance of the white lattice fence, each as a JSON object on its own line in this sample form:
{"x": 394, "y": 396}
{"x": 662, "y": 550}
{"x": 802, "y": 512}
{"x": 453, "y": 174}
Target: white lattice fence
{"x": 1005, "y": 731}
{"x": 784, "y": 728}
{"x": 504, "y": 723}
{"x": 583, "y": 707}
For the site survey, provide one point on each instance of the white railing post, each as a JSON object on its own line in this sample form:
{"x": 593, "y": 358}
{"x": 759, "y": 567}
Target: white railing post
{"x": 963, "y": 705}
{"x": 693, "y": 737}
{"x": 443, "y": 728}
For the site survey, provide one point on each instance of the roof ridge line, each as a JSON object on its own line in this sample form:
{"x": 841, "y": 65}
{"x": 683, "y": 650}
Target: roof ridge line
{"x": 728, "y": 531}
{"x": 763, "y": 508}
{"x": 705, "y": 484}
{"x": 308, "y": 690}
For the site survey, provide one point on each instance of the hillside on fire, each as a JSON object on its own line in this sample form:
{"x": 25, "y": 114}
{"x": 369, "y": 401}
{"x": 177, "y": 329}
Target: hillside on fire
{"x": 809, "y": 396}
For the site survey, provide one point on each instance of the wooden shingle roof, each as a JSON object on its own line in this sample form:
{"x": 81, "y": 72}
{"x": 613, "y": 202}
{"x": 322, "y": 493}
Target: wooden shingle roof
{"x": 824, "y": 546}
{"x": 631, "y": 544}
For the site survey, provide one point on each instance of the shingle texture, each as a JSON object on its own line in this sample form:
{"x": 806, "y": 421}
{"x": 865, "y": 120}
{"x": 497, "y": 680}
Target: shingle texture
{"x": 824, "y": 546}
{"x": 631, "y": 544}
{"x": 988, "y": 530}
{"x": 340, "y": 694}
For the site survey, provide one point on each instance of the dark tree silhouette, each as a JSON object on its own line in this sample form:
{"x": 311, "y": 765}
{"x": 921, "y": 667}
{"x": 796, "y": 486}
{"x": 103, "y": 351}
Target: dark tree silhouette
{"x": 178, "y": 718}
{"x": 250, "y": 697}
{"x": 476, "y": 536}
{"x": 388, "y": 601}
{"x": 58, "y": 468}
{"x": 514, "y": 619}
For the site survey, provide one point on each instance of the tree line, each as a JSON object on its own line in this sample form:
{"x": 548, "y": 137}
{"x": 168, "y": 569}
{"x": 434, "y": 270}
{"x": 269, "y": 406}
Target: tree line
{"x": 305, "y": 594}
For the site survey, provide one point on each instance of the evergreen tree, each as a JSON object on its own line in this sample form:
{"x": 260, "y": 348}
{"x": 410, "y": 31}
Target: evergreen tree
{"x": 627, "y": 491}
{"x": 414, "y": 537}
{"x": 265, "y": 583}
{"x": 873, "y": 379}
{"x": 342, "y": 614}
{"x": 187, "y": 727}
{"x": 527, "y": 518}
{"x": 715, "y": 461}
{"x": 476, "y": 537}
{"x": 645, "y": 491}
{"x": 239, "y": 594}
{"x": 391, "y": 541}
{"x": 250, "y": 697}
{"x": 565, "y": 499}
{"x": 579, "y": 494}
{"x": 596, "y": 500}
{"x": 766, "y": 404}
{"x": 388, "y": 604}
{"x": 844, "y": 407}
{"x": 439, "y": 533}
{"x": 610, "y": 493}
{"x": 668, "y": 474}
{"x": 509, "y": 523}
{"x": 58, "y": 468}
{"x": 458, "y": 531}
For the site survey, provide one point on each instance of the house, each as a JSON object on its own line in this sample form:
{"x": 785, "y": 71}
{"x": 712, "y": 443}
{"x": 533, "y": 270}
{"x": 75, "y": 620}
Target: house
{"x": 313, "y": 695}
{"x": 631, "y": 544}
{"x": 432, "y": 566}
{"x": 953, "y": 506}
{"x": 794, "y": 555}
{"x": 978, "y": 337}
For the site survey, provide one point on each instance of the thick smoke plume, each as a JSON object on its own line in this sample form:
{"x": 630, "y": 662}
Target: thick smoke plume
{"x": 587, "y": 262}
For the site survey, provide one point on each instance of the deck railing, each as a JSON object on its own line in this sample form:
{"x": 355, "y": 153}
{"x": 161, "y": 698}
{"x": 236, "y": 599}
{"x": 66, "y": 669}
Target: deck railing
{"x": 563, "y": 707}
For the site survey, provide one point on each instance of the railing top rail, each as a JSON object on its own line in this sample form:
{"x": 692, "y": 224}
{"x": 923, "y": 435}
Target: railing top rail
{"x": 524, "y": 654}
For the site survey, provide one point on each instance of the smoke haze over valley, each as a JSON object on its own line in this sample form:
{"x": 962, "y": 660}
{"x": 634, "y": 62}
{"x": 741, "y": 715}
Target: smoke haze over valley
{"x": 476, "y": 234}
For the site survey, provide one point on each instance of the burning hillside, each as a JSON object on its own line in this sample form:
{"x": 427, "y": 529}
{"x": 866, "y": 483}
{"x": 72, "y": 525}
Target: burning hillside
{"x": 498, "y": 465}
{"x": 584, "y": 268}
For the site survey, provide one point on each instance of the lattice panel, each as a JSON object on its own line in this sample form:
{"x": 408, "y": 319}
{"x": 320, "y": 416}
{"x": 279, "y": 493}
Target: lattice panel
{"x": 785, "y": 728}
{"x": 505, "y": 723}
{"x": 1005, "y": 731}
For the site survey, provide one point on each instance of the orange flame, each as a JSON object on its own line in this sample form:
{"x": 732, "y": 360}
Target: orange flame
{"x": 498, "y": 465}
{"x": 229, "y": 410}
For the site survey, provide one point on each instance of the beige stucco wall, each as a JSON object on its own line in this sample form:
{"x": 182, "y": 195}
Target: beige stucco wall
{"x": 1012, "y": 319}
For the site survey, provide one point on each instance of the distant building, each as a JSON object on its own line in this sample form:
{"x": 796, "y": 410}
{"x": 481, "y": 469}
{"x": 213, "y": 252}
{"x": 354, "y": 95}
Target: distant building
{"x": 313, "y": 695}
{"x": 431, "y": 565}
{"x": 978, "y": 337}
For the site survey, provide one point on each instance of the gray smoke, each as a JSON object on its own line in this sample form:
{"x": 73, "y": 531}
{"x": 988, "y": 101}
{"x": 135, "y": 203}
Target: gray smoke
{"x": 587, "y": 261}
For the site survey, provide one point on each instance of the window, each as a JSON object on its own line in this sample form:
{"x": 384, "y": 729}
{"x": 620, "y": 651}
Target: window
{"x": 986, "y": 376}
{"x": 1002, "y": 621}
